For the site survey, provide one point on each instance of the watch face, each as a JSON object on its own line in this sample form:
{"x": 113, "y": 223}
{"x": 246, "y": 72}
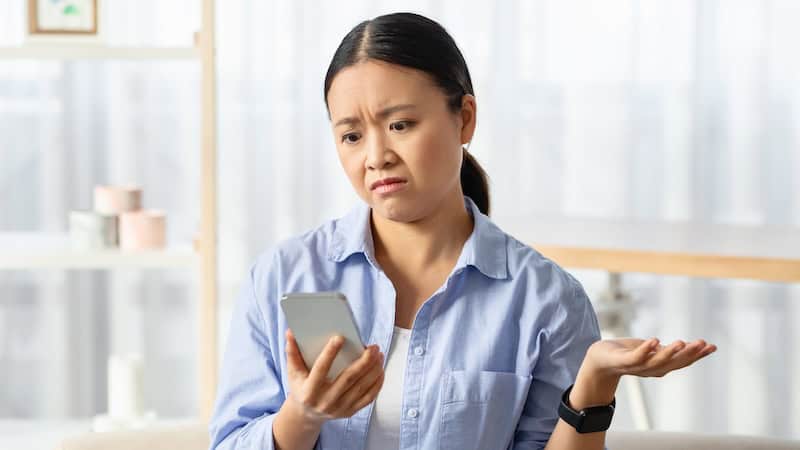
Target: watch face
{"x": 596, "y": 419}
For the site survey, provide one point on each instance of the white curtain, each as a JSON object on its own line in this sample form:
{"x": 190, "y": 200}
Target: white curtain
{"x": 669, "y": 110}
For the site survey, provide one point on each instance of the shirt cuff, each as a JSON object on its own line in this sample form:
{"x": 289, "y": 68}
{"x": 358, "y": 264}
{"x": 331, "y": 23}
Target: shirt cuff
{"x": 256, "y": 435}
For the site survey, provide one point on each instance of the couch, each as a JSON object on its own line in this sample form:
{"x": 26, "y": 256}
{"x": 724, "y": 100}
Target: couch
{"x": 195, "y": 437}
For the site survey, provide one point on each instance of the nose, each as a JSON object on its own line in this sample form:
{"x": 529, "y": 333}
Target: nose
{"x": 378, "y": 155}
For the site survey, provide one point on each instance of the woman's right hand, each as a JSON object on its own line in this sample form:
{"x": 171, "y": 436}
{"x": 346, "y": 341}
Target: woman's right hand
{"x": 320, "y": 399}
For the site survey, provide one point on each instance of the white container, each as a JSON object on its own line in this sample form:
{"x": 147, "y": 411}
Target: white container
{"x": 92, "y": 230}
{"x": 125, "y": 386}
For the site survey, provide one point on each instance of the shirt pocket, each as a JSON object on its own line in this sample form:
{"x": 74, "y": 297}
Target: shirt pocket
{"x": 480, "y": 409}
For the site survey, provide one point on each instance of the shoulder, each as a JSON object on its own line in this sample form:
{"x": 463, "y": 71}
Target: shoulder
{"x": 527, "y": 264}
{"x": 314, "y": 244}
{"x": 308, "y": 248}
{"x": 562, "y": 305}
{"x": 553, "y": 290}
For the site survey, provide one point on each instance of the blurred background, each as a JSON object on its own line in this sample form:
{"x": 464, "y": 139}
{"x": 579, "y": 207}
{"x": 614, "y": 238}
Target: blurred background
{"x": 657, "y": 110}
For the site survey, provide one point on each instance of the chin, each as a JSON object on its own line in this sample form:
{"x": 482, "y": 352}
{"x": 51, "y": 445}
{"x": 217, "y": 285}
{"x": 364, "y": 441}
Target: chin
{"x": 396, "y": 209}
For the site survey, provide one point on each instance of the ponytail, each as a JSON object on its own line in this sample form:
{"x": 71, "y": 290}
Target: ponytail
{"x": 475, "y": 182}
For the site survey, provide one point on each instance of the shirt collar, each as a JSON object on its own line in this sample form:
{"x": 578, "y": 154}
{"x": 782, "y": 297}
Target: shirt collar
{"x": 485, "y": 249}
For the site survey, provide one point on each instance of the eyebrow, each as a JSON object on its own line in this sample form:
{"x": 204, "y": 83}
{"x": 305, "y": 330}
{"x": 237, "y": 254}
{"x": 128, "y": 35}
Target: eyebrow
{"x": 381, "y": 114}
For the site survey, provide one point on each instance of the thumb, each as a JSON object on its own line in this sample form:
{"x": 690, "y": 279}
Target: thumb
{"x": 293, "y": 357}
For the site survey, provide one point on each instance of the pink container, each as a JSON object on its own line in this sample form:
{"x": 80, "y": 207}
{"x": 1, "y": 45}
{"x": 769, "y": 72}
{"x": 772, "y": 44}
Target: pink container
{"x": 117, "y": 199}
{"x": 142, "y": 230}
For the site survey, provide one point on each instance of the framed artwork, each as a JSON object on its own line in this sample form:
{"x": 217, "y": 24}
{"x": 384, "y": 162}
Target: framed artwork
{"x": 62, "y": 17}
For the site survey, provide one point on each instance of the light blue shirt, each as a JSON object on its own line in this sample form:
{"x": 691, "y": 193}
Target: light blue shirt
{"x": 490, "y": 352}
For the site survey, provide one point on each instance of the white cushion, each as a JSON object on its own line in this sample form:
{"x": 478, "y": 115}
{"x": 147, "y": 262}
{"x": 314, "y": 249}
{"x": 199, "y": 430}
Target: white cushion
{"x": 195, "y": 437}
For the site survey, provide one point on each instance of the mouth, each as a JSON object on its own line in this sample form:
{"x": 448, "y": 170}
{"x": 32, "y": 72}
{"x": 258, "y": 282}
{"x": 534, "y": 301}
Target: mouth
{"x": 388, "y": 185}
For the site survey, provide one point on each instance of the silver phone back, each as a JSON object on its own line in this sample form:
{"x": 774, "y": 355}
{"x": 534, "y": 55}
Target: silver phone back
{"x": 316, "y": 317}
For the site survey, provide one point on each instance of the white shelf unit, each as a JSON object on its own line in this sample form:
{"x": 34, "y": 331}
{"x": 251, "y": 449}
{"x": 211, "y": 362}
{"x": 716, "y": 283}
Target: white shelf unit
{"x": 101, "y": 52}
{"x": 51, "y": 251}
{"x": 30, "y": 251}
{"x": 22, "y": 434}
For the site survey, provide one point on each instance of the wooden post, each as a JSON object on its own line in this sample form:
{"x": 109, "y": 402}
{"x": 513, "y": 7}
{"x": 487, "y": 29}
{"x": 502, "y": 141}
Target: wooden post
{"x": 207, "y": 310}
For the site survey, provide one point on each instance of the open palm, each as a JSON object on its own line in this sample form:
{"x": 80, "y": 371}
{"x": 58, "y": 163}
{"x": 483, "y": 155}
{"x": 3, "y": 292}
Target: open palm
{"x": 645, "y": 358}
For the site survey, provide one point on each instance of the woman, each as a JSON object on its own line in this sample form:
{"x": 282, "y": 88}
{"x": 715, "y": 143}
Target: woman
{"x": 483, "y": 336}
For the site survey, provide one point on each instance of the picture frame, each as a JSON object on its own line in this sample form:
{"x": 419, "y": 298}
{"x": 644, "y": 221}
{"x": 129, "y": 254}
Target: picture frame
{"x": 57, "y": 18}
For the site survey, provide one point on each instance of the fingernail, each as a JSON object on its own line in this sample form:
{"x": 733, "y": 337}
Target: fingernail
{"x": 336, "y": 340}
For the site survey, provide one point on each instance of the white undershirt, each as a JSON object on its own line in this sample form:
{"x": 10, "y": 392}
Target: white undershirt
{"x": 384, "y": 425}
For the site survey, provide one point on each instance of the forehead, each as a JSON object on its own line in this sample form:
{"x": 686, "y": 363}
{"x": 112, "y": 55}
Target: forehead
{"x": 375, "y": 84}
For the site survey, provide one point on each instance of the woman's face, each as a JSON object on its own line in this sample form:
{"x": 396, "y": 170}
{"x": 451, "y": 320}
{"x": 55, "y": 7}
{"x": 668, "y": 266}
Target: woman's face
{"x": 392, "y": 123}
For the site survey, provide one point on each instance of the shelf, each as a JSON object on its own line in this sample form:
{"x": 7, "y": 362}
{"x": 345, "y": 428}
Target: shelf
{"x": 24, "y": 434}
{"x": 22, "y": 250}
{"x": 95, "y": 51}
{"x": 765, "y": 252}
{"x": 39, "y": 434}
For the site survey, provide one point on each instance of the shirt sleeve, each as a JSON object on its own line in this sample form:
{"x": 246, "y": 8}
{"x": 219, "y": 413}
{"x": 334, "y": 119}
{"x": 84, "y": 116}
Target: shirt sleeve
{"x": 563, "y": 343}
{"x": 249, "y": 392}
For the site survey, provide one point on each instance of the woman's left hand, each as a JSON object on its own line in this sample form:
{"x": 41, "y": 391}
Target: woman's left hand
{"x": 644, "y": 358}
{"x": 608, "y": 360}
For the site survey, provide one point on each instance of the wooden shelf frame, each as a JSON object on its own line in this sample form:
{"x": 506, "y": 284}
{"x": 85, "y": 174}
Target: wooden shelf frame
{"x": 205, "y": 257}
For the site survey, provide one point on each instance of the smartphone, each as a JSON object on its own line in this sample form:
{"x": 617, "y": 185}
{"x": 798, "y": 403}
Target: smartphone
{"x": 315, "y": 318}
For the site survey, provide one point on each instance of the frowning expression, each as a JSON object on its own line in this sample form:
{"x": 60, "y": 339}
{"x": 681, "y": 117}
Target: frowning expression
{"x": 397, "y": 139}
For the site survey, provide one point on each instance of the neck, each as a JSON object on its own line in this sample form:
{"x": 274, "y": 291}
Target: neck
{"x": 436, "y": 239}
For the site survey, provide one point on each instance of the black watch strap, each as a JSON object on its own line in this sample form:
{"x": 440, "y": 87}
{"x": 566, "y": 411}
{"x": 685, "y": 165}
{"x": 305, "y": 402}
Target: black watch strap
{"x": 589, "y": 420}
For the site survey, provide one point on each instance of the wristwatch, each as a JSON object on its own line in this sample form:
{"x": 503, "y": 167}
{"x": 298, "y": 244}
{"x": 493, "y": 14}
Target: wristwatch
{"x": 589, "y": 420}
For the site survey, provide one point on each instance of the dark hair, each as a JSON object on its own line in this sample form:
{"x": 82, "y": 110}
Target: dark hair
{"x": 420, "y": 43}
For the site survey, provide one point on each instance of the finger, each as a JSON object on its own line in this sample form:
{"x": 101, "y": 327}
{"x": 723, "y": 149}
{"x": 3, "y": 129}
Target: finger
{"x": 688, "y": 355}
{"x": 319, "y": 371}
{"x": 293, "y": 357}
{"x": 693, "y": 347}
{"x": 709, "y": 349}
{"x": 370, "y": 395}
{"x": 641, "y": 353}
{"x": 682, "y": 358}
{"x": 354, "y": 394}
{"x": 355, "y": 371}
{"x": 664, "y": 355}
{"x": 706, "y": 351}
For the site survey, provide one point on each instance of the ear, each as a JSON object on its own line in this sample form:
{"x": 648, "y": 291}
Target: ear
{"x": 468, "y": 116}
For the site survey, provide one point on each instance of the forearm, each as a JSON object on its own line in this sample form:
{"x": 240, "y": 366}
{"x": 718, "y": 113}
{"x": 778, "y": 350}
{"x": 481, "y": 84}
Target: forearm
{"x": 292, "y": 430}
{"x": 590, "y": 390}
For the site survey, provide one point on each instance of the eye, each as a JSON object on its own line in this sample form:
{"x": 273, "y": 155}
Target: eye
{"x": 350, "y": 138}
{"x": 401, "y": 126}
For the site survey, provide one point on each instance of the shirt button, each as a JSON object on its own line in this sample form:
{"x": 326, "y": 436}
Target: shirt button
{"x": 413, "y": 413}
{"x": 419, "y": 351}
